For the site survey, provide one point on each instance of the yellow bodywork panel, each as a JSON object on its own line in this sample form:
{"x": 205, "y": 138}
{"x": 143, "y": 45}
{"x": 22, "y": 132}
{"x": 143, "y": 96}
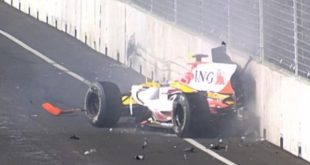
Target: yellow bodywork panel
{"x": 230, "y": 102}
{"x": 182, "y": 87}
{"x": 151, "y": 84}
{"x": 217, "y": 96}
{"x": 127, "y": 100}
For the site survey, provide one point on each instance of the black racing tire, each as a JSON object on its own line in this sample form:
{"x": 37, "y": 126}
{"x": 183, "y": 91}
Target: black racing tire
{"x": 103, "y": 104}
{"x": 181, "y": 118}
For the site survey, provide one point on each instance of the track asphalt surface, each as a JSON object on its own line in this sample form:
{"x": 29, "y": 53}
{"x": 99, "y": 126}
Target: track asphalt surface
{"x": 29, "y": 135}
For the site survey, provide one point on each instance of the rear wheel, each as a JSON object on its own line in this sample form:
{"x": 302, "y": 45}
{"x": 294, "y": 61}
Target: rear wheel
{"x": 103, "y": 104}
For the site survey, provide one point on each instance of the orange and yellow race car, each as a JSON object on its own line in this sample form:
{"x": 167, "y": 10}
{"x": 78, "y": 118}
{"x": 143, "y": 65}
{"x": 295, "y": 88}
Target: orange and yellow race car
{"x": 207, "y": 90}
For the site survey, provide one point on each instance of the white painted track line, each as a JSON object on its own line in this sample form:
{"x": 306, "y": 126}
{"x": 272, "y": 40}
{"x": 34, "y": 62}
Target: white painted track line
{"x": 45, "y": 58}
{"x": 82, "y": 79}
{"x": 208, "y": 151}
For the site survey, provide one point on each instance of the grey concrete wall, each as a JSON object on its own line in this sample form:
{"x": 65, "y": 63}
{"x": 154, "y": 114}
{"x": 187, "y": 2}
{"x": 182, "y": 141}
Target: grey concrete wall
{"x": 160, "y": 51}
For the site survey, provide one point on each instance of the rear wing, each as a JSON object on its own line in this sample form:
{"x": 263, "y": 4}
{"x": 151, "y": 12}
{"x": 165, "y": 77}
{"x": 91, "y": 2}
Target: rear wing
{"x": 219, "y": 55}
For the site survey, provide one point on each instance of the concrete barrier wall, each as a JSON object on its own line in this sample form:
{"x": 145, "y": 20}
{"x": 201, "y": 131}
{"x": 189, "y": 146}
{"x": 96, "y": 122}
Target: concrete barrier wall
{"x": 282, "y": 103}
{"x": 160, "y": 51}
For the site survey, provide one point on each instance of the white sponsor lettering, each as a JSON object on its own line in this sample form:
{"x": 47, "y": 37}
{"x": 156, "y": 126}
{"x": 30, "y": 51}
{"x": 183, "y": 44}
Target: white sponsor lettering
{"x": 212, "y": 76}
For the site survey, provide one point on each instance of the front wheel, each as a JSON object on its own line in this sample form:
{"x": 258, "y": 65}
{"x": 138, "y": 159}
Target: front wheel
{"x": 103, "y": 104}
{"x": 181, "y": 116}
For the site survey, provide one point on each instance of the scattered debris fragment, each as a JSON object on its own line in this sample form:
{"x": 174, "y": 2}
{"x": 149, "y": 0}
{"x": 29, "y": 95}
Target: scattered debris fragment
{"x": 34, "y": 115}
{"x": 30, "y": 101}
{"x": 17, "y": 87}
{"x": 74, "y": 137}
{"x": 226, "y": 148}
{"x": 145, "y": 143}
{"x": 189, "y": 150}
{"x": 220, "y": 140}
{"x": 90, "y": 151}
{"x": 56, "y": 111}
{"x": 139, "y": 157}
{"x": 218, "y": 147}
{"x": 185, "y": 156}
{"x": 111, "y": 129}
{"x": 242, "y": 141}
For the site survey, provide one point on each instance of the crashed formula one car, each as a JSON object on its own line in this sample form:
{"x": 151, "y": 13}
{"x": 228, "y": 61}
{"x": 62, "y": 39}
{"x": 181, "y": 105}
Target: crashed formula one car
{"x": 208, "y": 90}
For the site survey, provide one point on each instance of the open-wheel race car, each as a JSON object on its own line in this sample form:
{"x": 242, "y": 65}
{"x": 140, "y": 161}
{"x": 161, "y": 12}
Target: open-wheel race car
{"x": 208, "y": 90}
